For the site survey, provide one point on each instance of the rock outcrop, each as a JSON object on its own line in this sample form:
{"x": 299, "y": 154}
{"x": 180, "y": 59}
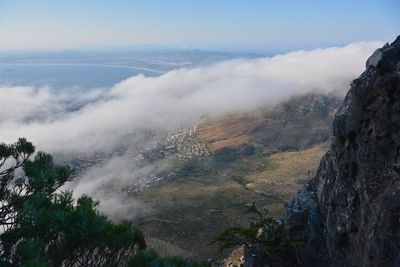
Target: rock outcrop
{"x": 350, "y": 211}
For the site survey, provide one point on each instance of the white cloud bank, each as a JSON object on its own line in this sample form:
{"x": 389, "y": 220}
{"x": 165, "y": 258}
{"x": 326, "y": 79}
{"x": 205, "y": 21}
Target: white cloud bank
{"x": 177, "y": 96}
{"x": 167, "y": 101}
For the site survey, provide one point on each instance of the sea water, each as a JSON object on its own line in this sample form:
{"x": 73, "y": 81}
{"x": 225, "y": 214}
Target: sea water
{"x": 67, "y": 76}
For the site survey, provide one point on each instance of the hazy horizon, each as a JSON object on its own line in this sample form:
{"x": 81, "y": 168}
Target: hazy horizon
{"x": 250, "y": 26}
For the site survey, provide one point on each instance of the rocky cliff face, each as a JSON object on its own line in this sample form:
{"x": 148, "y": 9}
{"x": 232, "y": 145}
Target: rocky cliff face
{"x": 350, "y": 211}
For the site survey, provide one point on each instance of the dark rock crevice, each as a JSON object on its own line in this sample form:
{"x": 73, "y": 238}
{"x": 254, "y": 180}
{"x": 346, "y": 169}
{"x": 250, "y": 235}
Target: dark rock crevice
{"x": 350, "y": 211}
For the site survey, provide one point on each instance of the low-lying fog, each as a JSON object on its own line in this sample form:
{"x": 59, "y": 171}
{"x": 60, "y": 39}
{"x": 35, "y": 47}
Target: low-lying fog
{"x": 111, "y": 124}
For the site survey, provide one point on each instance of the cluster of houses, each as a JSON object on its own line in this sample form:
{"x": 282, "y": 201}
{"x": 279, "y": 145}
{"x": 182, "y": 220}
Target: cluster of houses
{"x": 184, "y": 145}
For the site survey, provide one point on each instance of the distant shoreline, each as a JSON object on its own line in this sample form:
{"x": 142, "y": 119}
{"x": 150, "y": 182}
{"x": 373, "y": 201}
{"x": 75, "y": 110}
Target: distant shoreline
{"x": 84, "y": 64}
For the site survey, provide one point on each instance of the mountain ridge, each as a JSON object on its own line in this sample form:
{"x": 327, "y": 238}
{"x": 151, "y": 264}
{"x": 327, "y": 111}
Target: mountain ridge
{"x": 350, "y": 211}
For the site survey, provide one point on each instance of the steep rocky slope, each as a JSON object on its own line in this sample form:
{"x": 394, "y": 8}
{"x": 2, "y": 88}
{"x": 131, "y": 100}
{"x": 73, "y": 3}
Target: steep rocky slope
{"x": 350, "y": 211}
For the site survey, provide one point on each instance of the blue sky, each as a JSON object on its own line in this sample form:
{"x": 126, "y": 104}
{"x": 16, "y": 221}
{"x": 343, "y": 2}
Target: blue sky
{"x": 66, "y": 24}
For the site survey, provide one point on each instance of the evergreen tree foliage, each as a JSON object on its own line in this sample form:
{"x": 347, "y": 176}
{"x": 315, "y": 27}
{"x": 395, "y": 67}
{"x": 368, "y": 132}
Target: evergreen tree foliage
{"x": 45, "y": 227}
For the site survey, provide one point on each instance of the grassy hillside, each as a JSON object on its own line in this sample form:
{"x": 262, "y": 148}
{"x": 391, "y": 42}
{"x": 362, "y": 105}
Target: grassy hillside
{"x": 261, "y": 157}
{"x": 296, "y": 124}
{"x": 191, "y": 209}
